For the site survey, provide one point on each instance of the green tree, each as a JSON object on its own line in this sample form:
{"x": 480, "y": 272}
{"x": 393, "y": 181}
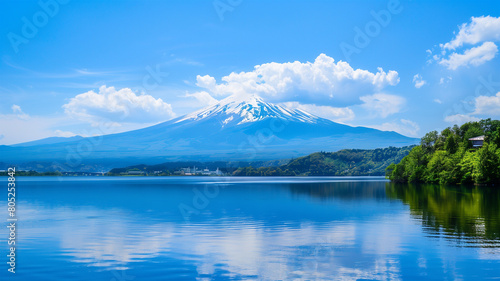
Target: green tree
{"x": 437, "y": 167}
{"x": 487, "y": 165}
{"x": 415, "y": 166}
{"x": 428, "y": 141}
{"x": 467, "y": 164}
{"x": 451, "y": 144}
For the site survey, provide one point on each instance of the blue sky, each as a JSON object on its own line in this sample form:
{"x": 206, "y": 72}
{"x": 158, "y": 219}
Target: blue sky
{"x": 137, "y": 63}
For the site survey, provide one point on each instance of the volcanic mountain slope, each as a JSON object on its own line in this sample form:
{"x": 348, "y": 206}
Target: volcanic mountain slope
{"x": 235, "y": 128}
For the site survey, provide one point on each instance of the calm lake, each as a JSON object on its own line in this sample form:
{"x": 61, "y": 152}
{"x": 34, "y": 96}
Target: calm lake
{"x": 210, "y": 228}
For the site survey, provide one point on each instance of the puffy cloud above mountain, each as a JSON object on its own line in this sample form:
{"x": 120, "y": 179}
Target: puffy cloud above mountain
{"x": 484, "y": 30}
{"x": 119, "y": 106}
{"x": 323, "y": 82}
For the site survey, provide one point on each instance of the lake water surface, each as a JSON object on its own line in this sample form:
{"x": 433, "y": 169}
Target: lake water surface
{"x": 209, "y": 228}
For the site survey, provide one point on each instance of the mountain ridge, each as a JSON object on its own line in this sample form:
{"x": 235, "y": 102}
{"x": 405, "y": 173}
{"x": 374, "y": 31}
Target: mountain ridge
{"x": 236, "y": 128}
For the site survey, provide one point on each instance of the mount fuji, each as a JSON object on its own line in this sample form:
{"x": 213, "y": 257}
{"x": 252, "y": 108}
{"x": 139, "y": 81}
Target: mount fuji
{"x": 234, "y": 129}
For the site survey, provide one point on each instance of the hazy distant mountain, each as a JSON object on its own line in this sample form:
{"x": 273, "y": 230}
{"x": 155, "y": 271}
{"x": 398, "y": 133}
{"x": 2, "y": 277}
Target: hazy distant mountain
{"x": 51, "y": 140}
{"x": 235, "y": 128}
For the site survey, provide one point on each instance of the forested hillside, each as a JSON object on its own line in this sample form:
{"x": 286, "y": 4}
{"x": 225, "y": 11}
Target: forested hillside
{"x": 347, "y": 162}
{"x": 450, "y": 158}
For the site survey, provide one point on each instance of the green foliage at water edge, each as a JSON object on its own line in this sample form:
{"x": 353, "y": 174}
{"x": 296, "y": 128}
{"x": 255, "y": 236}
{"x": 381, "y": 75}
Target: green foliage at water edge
{"x": 449, "y": 157}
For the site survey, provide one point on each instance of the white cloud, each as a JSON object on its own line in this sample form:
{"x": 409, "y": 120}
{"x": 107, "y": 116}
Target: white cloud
{"x": 383, "y": 105}
{"x": 419, "y": 81}
{"x": 19, "y": 112}
{"x": 445, "y": 80}
{"x": 337, "y": 114}
{"x": 64, "y": 134}
{"x": 204, "y": 98}
{"x": 480, "y": 29}
{"x": 33, "y": 128}
{"x": 460, "y": 119}
{"x": 488, "y": 105}
{"x": 16, "y": 108}
{"x": 119, "y": 106}
{"x": 327, "y": 88}
{"x": 402, "y": 126}
{"x": 108, "y": 111}
{"x": 40, "y": 127}
{"x": 473, "y": 56}
{"x": 321, "y": 82}
{"x": 438, "y": 101}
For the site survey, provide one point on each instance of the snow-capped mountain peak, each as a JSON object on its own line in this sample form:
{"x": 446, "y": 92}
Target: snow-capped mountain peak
{"x": 251, "y": 108}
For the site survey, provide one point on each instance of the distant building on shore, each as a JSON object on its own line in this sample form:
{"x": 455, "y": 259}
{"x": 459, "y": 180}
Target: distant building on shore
{"x": 195, "y": 171}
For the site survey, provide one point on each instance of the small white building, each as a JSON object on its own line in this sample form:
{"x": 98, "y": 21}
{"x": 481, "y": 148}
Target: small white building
{"x": 477, "y": 141}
